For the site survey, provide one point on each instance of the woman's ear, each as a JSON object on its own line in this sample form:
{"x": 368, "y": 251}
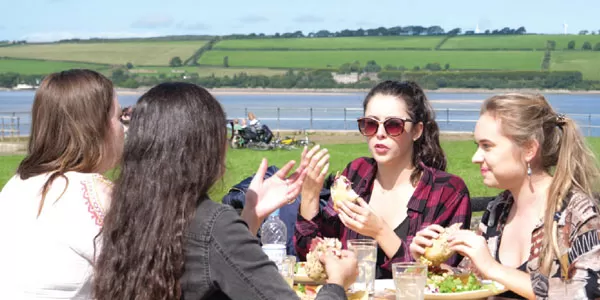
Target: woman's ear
{"x": 417, "y": 131}
{"x": 530, "y": 149}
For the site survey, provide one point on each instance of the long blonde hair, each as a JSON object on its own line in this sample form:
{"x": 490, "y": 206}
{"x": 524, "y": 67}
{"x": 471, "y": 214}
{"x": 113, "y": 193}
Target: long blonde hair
{"x": 562, "y": 149}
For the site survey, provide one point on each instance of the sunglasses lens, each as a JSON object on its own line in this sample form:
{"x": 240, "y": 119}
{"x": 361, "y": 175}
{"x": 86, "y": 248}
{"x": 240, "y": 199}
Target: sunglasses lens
{"x": 394, "y": 127}
{"x": 367, "y": 126}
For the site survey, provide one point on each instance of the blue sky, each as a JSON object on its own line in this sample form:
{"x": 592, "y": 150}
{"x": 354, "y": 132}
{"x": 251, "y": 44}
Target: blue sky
{"x": 48, "y": 20}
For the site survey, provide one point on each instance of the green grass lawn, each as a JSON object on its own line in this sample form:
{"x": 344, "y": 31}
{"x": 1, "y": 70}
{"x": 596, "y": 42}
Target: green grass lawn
{"x": 586, "y": 62}
{"x": 425, "y": 42}
{"x": 207, "y": 71}
{"x": 41, "y": 67}
{"x": 242, "y": 163}
{"x": 138, "y": 53}
{"x": 502, "y": 60}
{"x": 537, "y": 41}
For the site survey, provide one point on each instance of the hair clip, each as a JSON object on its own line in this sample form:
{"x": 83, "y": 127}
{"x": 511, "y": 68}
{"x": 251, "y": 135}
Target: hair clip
{"x": 557, "y": 216}
{"x": 560, "y": 119}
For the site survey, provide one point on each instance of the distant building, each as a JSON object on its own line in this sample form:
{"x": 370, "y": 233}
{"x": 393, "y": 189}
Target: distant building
{"x": 22, "y": 86}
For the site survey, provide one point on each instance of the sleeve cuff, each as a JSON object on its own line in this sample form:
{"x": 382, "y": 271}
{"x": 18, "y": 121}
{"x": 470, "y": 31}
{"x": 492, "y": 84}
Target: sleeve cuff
{"x": 396, "y": 258}
{"x": 307, "y": 227}
{"x": 333, "y": 290}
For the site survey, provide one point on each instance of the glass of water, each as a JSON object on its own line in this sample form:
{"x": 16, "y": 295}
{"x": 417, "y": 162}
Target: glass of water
{"x": 366, "y": 254}
{"x": 287, "y": 269}
{"x": 410, "y": 279}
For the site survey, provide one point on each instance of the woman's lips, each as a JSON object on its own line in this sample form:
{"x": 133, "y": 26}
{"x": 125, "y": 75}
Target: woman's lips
{"x": 484, "y": 170}
{"x": 381, "y": 148}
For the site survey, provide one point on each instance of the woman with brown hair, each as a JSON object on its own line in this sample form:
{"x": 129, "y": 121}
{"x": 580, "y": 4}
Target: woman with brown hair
{"x": 402, "y": 187}
{"x": 164, "y": 238}
{"x": 52, "y": 209}
{"x": 541, "y": 237}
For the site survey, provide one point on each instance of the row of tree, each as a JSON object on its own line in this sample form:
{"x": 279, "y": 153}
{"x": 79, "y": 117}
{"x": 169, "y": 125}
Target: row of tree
{"x": 380, "y": 31}
{"x": 373, "y": 67}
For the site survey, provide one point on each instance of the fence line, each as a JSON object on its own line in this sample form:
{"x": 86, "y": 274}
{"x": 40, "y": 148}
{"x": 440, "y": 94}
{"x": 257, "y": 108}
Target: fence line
{"x": 16, "y": 123}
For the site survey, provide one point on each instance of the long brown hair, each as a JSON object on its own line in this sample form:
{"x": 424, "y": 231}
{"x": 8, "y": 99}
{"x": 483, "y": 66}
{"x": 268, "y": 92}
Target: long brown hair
{"x": 562, "y": 149}
{"x": 174, "y": 153}
{"x": 427, "y": 148}
{"x": 69, "y": 126}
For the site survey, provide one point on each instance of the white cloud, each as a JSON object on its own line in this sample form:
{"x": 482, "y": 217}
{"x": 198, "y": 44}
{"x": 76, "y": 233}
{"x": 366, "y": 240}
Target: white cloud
{"x": 308, "y": 19}
{"x": 153, "y": 21}
{"x": 254, "y": 19}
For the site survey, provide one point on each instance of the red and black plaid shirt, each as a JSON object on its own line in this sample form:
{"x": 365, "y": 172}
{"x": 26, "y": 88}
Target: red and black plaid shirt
{"x": 439, "y": 198}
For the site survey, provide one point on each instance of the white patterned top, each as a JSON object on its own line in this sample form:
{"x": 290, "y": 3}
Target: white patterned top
{"x": 50, "y": 256}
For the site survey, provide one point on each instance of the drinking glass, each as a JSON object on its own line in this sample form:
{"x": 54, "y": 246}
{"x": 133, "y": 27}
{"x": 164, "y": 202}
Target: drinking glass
{"x": 287, "y": 269}
{"x": 410, "y": 279}
{"x": 366, "y": 254}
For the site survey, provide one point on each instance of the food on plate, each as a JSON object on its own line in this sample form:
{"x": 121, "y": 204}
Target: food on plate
{"x": 440, "y": 252}
{"x": 314, "y": 268}
{"x": 306, "y": 292}
{"x": 341, "y": 190}
{"x": 450, "y": 283}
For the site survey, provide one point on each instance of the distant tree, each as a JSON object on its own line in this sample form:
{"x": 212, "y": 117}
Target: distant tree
{"x": 417, "y": 68}
{"x": 447, "y": 67}
{"x": 583, "y": 32}
{"x": 469, "y": 32}
{"x": 597, "y": 47}
{"x": 571, "y": 45}
{"x": 372, "y": 67}
{"x": 435, "y": 30}
{"x": 390, "y": 68}
{"x": 551, "y": 45}
{"x": 129, "y": 65}
{"x": 277, "y": 34}
{"x": 118, "y": 76}
{"x": 433, "y": 67}
{"x": 521, "y": 30}
{"x": 355, "y": 66}
{"x": 593, "y": 33}
{"x": 226, "y": 61}
{"x": 175, "y": 62}
{"x": 487, "y": 31}
{"x": 402, "y": 68}
{"x": 587, "y": 46}
{"x": 453, "y": 32}
{"x": 345, "y": 68}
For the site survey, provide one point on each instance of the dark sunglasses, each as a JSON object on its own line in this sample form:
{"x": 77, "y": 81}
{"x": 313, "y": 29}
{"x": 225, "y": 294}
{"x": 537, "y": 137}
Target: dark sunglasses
{"x": 393, "y": 126}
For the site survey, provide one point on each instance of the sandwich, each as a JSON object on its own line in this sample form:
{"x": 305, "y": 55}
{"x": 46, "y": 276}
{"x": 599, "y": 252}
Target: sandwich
{"x": 341, "y": 190}
{"x": 315, "y": 270}
{"x": 440, "y": 251}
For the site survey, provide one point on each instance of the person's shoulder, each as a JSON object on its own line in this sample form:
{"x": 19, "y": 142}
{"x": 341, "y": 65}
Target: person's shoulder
{"x": 208, "y": 217}
{"x": 362, "y": 163}
{"x": 582, "y": 208}
{"x": 96, "y": 189}
{"x": 443, "y": 178}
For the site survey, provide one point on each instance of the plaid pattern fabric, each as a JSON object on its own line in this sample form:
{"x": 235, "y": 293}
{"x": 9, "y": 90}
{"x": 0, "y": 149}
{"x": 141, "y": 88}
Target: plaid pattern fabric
{"x": 439, "y": 198}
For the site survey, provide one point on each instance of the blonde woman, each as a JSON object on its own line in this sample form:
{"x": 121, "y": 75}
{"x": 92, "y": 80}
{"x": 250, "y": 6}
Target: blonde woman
{"x": 540, "y": 237}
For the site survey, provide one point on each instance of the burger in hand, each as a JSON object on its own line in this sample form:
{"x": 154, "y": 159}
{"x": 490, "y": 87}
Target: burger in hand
{"x": 440, "y": 252}
{"x": 341, "y": 190}
{"x": 319, "y": 246}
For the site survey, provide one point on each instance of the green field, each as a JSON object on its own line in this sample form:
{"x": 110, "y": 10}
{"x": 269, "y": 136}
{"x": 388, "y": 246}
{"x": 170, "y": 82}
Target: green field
{"x": 588, "y": 63}
{"x": 500, "y": 60}
{"x": 517, "y": 41}
{"x": 41, "y": 67}
{"x": 384, "y": 42}
{"x": 206, "y": 71}
{"x": 138, "y": 53}
{"x": 242, "y": 163}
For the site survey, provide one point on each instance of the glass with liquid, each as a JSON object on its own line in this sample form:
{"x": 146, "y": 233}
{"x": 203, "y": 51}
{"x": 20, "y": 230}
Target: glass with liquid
{"x": 410, "y": 279}
{"x": 366, "y": 254}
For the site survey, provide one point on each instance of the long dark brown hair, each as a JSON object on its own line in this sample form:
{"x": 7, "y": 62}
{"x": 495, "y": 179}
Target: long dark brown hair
{"x": 70, "y": 124}
{"x": 427, "y": 148}
{"x": 174, "y": 153}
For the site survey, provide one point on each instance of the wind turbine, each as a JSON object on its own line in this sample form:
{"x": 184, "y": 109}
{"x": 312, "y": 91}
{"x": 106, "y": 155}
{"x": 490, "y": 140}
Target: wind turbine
{"x": 565, "y": 26}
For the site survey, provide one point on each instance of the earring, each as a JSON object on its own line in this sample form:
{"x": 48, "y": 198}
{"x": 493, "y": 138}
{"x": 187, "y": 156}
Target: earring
{"x": 528, "y": 169}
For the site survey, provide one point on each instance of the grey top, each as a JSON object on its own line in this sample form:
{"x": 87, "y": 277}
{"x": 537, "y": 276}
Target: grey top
{"x": 223, "y": 260}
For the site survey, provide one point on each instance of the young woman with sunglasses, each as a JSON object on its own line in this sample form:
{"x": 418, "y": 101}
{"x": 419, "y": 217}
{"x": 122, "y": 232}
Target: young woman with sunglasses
{"x": 402, "y": 188}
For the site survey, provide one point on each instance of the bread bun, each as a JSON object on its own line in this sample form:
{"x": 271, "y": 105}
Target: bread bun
{"x": 440, "y": 252}
{"x": 315, "y": 270}
{"x": 341, "y": 190}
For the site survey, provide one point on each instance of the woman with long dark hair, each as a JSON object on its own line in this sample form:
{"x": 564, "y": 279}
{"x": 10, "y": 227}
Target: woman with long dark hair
{"x": 164, "y": 238}
{"x": 402, "y": 188}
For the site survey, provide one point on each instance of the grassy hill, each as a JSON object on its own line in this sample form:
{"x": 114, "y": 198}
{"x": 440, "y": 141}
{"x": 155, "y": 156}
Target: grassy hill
{"x": 510, "y": 60}
{"x": 384, "y": 42}
{"x": 270, "y": 56}
{"x": 138, "y": 53}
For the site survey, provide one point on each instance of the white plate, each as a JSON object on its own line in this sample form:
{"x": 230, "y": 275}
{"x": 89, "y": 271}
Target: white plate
{"x": 384, "y": 289}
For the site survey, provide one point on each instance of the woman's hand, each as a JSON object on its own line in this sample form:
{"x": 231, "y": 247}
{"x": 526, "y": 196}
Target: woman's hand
{"x": 423, "y": 239}
{"x": 265, "y": 196}
{"x": 475, "y": 247}
{"x": 361, "y": 218}
{"x": 316, "y": 162}
{"x": 340, "y": 270}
